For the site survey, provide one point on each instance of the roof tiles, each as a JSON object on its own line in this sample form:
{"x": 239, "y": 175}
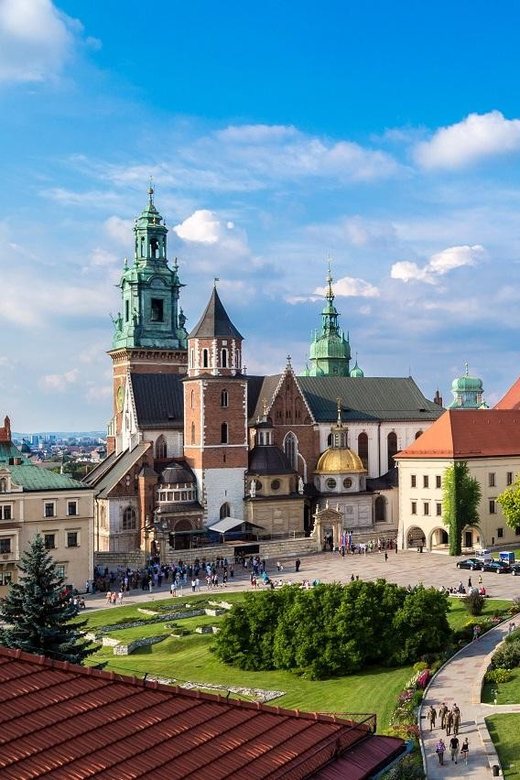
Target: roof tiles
{"x": 69, "y": 722}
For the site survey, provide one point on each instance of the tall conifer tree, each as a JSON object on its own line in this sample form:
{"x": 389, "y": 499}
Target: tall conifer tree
{"x": 39, "y": 613}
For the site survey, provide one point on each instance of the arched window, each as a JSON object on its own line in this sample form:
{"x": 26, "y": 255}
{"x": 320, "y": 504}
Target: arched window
{"x": 224, "y": 433}
{"x": 329, "y": 440}
{"x": 380, "y": 510}
{"x": 192, "y": 399}
{"x": 129, "y": 519}
{"x": 161, "y": 449}
{"x": 3, "y": 486}
{"x": 192, "y": 357}
{"x": 290, "y": 447}
{"x": 192, "y": 433}
{"x": 205, "y": 358}
{"x": 224, "y": 360}
{"x": 392, "y": 449}
{"x": 419, "y": 433}
{"x": 224, "y": 399}
{"x": 362, "y": 448}
{"x": 225, "y": 511}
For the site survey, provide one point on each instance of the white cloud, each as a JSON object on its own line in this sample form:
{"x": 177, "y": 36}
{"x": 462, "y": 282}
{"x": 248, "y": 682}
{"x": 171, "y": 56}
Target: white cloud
{"x": 349, "y": 287}
{"x": 120, "y": 230}
{"x": 478, "y": 136}
{"x": 59, "y": 382}
{"x": 203, "y": 227}
{"x": 246, "y": 134}
{"x": 35, "y": 40}
{"x": 438, "y": 265}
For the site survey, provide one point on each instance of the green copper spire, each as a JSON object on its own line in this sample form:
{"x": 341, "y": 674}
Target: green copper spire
{"x": 150, "y": 289}
{"x": 467, "y": 392}
{"x": 329, "y": 353}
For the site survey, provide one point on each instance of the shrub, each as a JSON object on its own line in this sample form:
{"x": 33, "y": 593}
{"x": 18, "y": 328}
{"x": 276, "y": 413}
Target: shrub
{"x": 474, "y": 603}
{"x": 423, "y": 678}
{"x": 420, "y": 666}
{"x": 514, "y": 609}
{"x": 507, "y": 656}
{"x": 499, "y": 675}
{"x": 410, "y": 768}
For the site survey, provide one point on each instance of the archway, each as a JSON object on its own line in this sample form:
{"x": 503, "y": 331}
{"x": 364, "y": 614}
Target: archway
{"x": 415, "y": 537}
{"x": 438, "y": 538}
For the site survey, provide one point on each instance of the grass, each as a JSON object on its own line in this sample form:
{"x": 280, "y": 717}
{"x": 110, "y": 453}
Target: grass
{"x": 504, "y": 730}
{"x": 507, "y": 693}
{"x": 458, "y": 615}
{"x": 189, "y": 658}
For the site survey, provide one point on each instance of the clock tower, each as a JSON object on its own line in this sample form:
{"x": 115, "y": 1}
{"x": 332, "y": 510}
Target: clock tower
{"x": 149, "y": 333}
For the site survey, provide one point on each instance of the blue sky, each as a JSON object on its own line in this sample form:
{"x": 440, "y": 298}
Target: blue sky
{"x": 384, "y": 135}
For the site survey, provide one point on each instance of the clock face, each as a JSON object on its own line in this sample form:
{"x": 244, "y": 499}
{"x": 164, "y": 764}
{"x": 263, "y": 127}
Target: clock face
{"x": 120, "y": 398}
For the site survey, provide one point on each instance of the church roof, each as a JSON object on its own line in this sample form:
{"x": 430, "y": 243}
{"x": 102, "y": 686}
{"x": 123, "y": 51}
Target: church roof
{"x": 476, "y": 433}
{"x": 73, "y": 721}
{"x": 362, "y": 398}
{"x": 215, "y": 321}
{"x": 158, "y": 400}
{"x": 32, "y": 477}
{"x": 268, "y": 460}
{"x": 120, "y": 468}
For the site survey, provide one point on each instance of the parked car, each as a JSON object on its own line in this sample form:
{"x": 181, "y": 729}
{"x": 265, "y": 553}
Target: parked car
{"x": 515, "y": 570}
{"x": 470, "y": 563}
{"x": 497, "y": 566}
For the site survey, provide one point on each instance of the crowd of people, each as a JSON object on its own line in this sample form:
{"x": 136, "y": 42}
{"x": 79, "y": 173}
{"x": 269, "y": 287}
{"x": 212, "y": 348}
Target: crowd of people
{"x": 449, "y": 720}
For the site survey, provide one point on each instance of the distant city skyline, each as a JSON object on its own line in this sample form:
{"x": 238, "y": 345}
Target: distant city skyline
{"x": 384, "y": 136}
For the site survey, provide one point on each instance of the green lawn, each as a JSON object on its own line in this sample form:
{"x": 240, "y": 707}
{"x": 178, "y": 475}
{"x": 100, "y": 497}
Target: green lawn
{"x": 458, "y": 615}
{"x": 507, "y": 693}
{"x": 504, "y": 730}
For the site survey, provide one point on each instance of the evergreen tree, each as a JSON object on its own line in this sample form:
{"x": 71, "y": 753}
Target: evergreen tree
{"x": 461, "y": 497}
{"x": 39, "y": 613}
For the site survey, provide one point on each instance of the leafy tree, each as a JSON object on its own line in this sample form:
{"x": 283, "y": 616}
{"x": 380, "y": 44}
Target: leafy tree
{"x": 421, "y": 625}
{"x": 461, "y": 497}
{"x": 509, "y": 500}
{"x": 38, "y": 611}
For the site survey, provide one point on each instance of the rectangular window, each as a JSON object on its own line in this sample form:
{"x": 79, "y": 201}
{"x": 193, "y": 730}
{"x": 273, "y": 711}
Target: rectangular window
{"x": 157, "y": 312}
{"x": 492, "y": 507}
{"x": 414, "y": 507}
{"x": 438, "y": 509}
{"x": 72, "y": 539}
{"x": 413, "y": 481}
{"x": 127, "y": 311}
{"x": 48, "y": 509}
{"x": 6, "y": 577}
{"x": 6, "y": 512}
{"x": 517, "y": 531}
{"x": 5, "y": 546}
{"x": 49, "y": 541}
{"x": 425, "y": 481}
{"x": 438, "y": 481}
{"x": 500, "y": 533}
{"x": 60, "y": 571}
{"x": 426, "y": 508}
{"x": 509, "y": 478}
{"x": 491, "y": 479}
{"x": 72, "y": 508}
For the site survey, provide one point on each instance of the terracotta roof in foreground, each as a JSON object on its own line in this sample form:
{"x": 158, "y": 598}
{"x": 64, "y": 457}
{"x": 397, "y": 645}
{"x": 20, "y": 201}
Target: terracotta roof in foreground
{"x": 511, "y": 400}
{"x": 64, "y": 721}
{"x": 469, "y": 433}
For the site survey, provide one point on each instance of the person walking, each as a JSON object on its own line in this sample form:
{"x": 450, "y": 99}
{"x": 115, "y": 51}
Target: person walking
{"x": 464, "y": 751}
{"x": 432, "y": 716}
{"x": 443, "y": 711}
{"x": 440, "y": 749}
{"x": 454, "y": 748}
{"x": 449, "y": 722}
{"x": 297, "y": 564}
{"x": 456, "y": 719}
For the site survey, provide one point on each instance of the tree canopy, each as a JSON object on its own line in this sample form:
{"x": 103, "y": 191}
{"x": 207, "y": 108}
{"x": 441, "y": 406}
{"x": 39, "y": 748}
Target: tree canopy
{"x": 39, "y": 613}
{"x": 509, "y": 500}
{"x": 333, "y": 629}
{"x": 461, "y": 497}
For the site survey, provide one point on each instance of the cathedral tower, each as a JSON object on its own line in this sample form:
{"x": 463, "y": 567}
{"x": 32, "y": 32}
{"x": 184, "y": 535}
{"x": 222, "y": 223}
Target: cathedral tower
{"x": 149, "y": 335}
{"x": 330, "y": 350}
{"x": 215, "y": 413}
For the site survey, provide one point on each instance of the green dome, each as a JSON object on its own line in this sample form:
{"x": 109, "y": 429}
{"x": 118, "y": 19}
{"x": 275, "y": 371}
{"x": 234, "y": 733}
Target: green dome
{"x": 357, "y": 371}
{"x": 464, "y": 383}
{"x": 467, "y": 392}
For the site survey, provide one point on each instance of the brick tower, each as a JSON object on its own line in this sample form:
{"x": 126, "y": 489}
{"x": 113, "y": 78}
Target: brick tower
{"x": 149, "y": 335}
{"x": 215, "y": 413}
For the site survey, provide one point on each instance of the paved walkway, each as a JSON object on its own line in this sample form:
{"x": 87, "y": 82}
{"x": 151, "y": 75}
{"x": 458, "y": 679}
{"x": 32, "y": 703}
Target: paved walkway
{"x": 460, "y": 681}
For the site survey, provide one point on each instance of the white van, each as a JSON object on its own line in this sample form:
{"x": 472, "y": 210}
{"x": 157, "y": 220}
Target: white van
{"x": 483, "y": 555}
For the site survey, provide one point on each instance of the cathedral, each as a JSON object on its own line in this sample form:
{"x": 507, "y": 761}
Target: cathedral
{"x": 198, "y": 449}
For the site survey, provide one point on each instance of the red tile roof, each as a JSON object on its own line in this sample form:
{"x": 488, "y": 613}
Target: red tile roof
{"x": 511, "y": 400}
{"x": 469, "y": 433}
{"x": 70, "y": 722}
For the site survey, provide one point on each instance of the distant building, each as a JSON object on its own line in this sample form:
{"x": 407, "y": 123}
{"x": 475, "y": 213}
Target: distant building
{"x": 467, "y": 392}
{"x": 35, "y": 500}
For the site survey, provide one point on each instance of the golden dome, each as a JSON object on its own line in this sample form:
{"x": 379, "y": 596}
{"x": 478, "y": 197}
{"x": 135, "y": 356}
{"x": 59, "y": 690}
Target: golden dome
{"x": 339, "y": 461}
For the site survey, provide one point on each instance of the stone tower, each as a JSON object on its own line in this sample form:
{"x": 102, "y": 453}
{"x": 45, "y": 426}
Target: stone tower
{"x": 215, "y": 413}
{"x": 149, "y": 335}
